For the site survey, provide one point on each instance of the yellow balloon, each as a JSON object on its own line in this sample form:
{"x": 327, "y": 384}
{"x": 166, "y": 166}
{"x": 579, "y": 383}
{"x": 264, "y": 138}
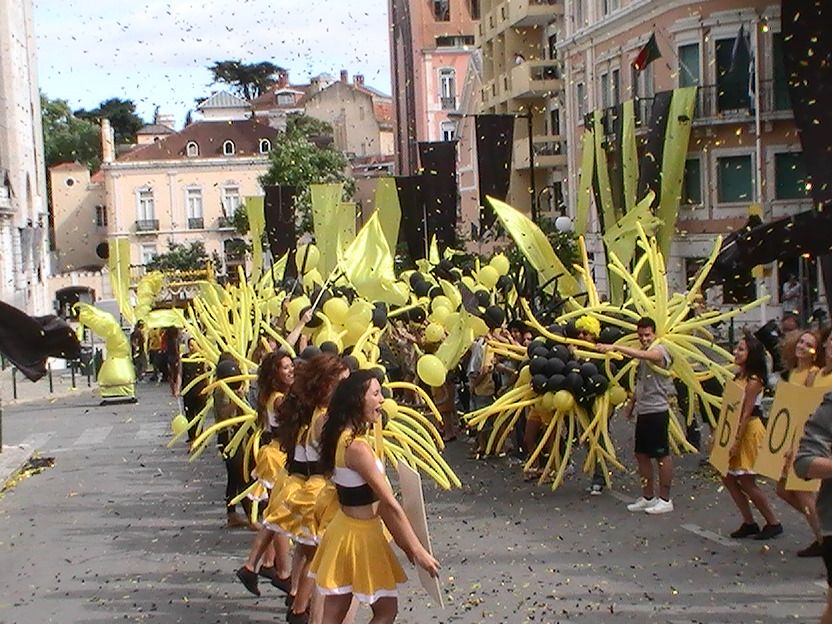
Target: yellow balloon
{"x": 434, "y": 332}
{"x": 336, "y": 310}
{"x": 327, "y": 335}
{"x": 361, "y": 309}
{"x": 439, "y": 315}
{"x": 469, "y": 282}
{"x": 488, "y": 276}
{"x": 294, "y": 307}
{"x": 311, "y": 278}
{"x": 179, "y": 424}
{"x": 525, "y": 376}
{"x": 617, "y": 395}
{"x": 500, "y": 264}
{"x": 390, "y": 407}
{"x": 441, "y": 301}
{"x": 360, "y": 358}
{"x": 431, "y": 370}
{"x": 312, "y": 256}
{"x": 548, "y": 402}
{"x": 563, "y": 400}
{"x": 451, "y": 320}
{"x": 478, "y": 326}
{"x": 354, "y": 327}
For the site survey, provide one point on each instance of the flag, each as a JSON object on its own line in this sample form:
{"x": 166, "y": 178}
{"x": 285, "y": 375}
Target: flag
{"x": 740, "y": 51}
{"x": 649, "y": 53}
{"x": 368, "y": 265}
{"x": 326, "y": 199}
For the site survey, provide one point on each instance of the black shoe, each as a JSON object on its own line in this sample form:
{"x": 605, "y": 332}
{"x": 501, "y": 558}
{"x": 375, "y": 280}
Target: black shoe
{"x": 769, "y": 531}
{"x": 283, "y": 584}
{"x": 289, "y": 600}
{"x": 812, "y": 550}
{"x": 249, "y": 579}
{"x": 267, "y": 572}
{"x": 746, "y": 530}
{"x": 297, "y": 618}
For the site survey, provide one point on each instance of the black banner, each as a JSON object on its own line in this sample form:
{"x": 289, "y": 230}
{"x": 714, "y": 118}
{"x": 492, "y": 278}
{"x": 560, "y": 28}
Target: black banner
{"x": 439, "y": 190}
{"x": 650, "y": 161}
{"x": 495, "y": 143}
{"x": 280, "y": 219}
{"x": 412, "y": 204}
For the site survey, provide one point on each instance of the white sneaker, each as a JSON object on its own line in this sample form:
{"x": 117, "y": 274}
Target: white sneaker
{"x": 642, "y": 504}
{"x": 662, "y": 506}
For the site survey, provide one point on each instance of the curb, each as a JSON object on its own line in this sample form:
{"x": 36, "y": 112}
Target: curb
{"x": 50, "y": 397}
{"x": 12, "y": 459}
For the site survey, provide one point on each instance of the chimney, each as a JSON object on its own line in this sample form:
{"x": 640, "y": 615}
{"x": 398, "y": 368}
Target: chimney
{"x": 345, "y": 77}
{"x": 164, "y": 119}
{"x": 359, "y": 80}
{"x": 283, "y": 78}
{"x": 108, "y": 143}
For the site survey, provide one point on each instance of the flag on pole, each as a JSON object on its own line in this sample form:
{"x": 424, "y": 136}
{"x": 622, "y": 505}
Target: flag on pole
{"x": 649, "y": 53}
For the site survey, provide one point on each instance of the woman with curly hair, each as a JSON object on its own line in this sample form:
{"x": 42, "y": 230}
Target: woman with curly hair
{"x": 292, "y": 512}
{"x": 354, "y": 558}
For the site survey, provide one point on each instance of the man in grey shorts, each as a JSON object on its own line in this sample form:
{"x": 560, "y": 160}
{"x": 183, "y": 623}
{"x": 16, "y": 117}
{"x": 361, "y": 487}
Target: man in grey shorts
{"x": 651, "y": 407}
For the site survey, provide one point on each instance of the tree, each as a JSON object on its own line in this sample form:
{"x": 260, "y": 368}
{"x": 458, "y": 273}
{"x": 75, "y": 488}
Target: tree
{"x": 67, "y": 138}
{"x": 247, "y": 80}
{"x": 298, "y": 161}
{"x": 122, "y": 115}
{"x": 180, "y": 257}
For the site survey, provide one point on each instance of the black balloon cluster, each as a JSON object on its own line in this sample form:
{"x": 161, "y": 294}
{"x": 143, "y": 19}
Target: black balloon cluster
{"x": 553, "y": 367}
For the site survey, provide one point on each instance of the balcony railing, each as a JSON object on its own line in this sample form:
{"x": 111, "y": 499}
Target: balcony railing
{"x": 774, "y": 97}
{"x": 196, "y": 223}
{"x": 225, "y": 223}
{"x": 643, "y": 108}
{"x": 147, "y": 225}
{"x": 533, "y": 79}
{"x": 523, "y": 13}
{"x": 549, "y": 152}
{"x": 714, "y": 101}
{"x": 448, "y": 103}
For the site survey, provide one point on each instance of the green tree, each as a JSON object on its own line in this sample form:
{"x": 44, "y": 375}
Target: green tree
{"x": 247, "y": 80}
{"x": 303, "y": 155}
{"x": 67, "y": 138}
{"x": 180, "y": 257}
{"x": 122, "y": 115}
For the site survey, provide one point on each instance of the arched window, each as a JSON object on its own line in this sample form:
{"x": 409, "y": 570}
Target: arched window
{"x": 191, "y": 149}
{"x": 265, "y": 146}
{"x": 228, "y": 148}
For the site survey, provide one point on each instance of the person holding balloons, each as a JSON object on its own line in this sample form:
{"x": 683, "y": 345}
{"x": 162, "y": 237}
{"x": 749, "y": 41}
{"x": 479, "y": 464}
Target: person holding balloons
{"x": 482, "y": 386}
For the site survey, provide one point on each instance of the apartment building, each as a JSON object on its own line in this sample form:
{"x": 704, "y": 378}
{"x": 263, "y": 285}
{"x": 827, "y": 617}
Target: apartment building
{"x": 744, "y": 146}
{"x": 431, "y": 45}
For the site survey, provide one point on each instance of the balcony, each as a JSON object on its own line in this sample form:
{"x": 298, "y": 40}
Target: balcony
{"x": 147, "y": 225}
{"x": 196, "y": 223}
{"x": 549, "y": 152}
{"x": 525, "y": 13}
{"x": 535, "y": 79}
{"x": 775, "y": 98}
{"x": 225, "y": 223}
{"x": 448, "y": 103}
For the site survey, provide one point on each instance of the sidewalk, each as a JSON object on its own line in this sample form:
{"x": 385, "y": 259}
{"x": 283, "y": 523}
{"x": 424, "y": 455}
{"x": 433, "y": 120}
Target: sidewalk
{"x": 11, "y": 460}
{"x": 28, "y": 391}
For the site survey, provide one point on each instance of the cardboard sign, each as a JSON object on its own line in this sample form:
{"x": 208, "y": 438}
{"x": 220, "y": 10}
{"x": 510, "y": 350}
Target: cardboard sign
{"x": 793, "y": 404}
{"x": 413, "y": 504}
{"x": 726, "y": 426}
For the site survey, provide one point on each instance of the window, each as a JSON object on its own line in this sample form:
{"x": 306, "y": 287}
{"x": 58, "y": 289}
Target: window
{"x": 732, "y": 78}
{"x": 790, "y": 179}
{"x": 615, "y": 87}
{"x": 448, "y": 130}
{"x": 144, "y": 199}
{"x": 69, "y": 182}
{"x": 148, "y": 252}
{"x": 609, "y": 6}
{"x": 580, "y": 14}
{"x": 101, "y": 216}
{"x": 692, "y": 182}
{"x": 553, "y": 47}
{"x": 605, "y": 90}
{"x": 447, "y": 82}
{"x": 265, "y": 146}
{"x": 735, "y": 179}
{"x": 192, "y": 149}
{"x": 554, "y": 122}
{"x": 228, "y": 148}
{"x": 442, "y": 10}
{"x": 689, "y": 65}
{"x": 474, "y": 8}
{"x": 230, "y": 200}
{"x": 454, "y": 41}
{"x": 193, "y": 203}
{"x": 580, "y": 94}
{"x": 285, "y": 99}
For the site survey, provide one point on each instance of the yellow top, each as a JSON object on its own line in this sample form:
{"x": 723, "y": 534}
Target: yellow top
{"x": 800, "y": 378}
{"x": 823, "y": 380}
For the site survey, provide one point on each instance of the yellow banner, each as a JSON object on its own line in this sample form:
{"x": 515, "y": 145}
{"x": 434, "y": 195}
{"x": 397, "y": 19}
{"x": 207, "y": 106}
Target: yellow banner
{"x": 726, "y": 427}
{"x": 620, "y": 238}
{"x": 118, "y": 264}
{"x": 629, "y": 155}
{"x": 346, "y": 228}
{"x": 585, "y": 183}
{"x": 326, "y": 199}
{"x": 257, "y": 226}
{"x": 368, "y": 265}
{"x": 389, "y": 210}
{"x": 793, "y": 404}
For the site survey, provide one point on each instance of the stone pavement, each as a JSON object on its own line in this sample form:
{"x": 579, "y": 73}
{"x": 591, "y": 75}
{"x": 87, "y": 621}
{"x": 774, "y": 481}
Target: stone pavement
{"x": 12, "y": 382}
{"x": 123, "y": 528}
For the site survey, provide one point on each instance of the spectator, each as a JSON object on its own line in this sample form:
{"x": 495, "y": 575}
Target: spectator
{"x": 791, "y": 295}
{"x": 137, "y": 350}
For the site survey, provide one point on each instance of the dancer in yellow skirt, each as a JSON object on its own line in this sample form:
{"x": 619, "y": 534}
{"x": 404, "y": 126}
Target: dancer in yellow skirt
{"x": 292, "y": 512}
{"x": 354, "y": 557}
{"x": 740, "y": 481}
{"x": 270, "y": 550}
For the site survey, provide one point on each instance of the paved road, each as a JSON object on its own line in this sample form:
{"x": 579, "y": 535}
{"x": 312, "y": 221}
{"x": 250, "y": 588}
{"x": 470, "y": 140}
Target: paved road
{"x": 123, "y": 528}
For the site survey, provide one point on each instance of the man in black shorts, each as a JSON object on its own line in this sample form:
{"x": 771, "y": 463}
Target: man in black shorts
{"x": 814, "y": 461}
{"x": 650, "y": 405}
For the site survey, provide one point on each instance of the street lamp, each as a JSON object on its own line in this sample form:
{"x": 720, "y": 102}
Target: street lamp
{"x": 455, "y": 115}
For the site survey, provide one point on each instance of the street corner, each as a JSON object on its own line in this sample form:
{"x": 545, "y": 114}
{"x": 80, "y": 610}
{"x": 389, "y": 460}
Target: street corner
{"x": 12, "y": 459}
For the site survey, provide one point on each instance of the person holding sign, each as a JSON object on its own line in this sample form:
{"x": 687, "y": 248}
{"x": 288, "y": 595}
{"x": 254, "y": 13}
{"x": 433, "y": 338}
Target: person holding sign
{"x": 740, "y": 481}
{"x": 806, "y": 355}
{"x": 813, "y": 460}
{"x": 652, "y": 409}
{"x": 354, "y": 558}
{"x": 823, "y": 378}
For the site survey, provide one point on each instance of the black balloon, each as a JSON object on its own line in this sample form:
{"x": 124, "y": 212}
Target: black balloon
{"x": 554, "y": 366}
{"x": 556, "y": 382}
{"x": 561, "y": 352}
{"x": 538, "y": 366}
{"x": 574, "y": 382}
{"x": 599, "y": 383}
{"x": 416, "y": 278}
{"x": 378, "y": 373}
{"x": 534, "y": 344}
{"x": 588, "y": 369}
{"x": 569, "y": 330}
{"x": 380, "y": 316}
{"x": 416, "y": 315}
{"x": 435, "y": 291}
{"x": 315, "y": 321}
{"x": 329, "y": 347}
{"x": 309, "y": 352}
{"x": 483, "y": 298}
{"x": 351, "y": 363}
{"x": 539, "y": 383}
{"x": 385, "y": 391}
{"x": 504, "y": 283}
{"x": 540, "y": 351}
{"x": 494, "y": 317}
{"x": 572, "y": 366}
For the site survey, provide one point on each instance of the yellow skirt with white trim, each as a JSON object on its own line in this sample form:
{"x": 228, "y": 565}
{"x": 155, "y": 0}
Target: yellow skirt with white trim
{"x": 268, "y": 471}
{"x": 752, "y": 439}
{"x": 295, "y": 517}
{"x": 277, "y": 501}
{"x": 326, "y": 506}
{"x": 354, "y": 557}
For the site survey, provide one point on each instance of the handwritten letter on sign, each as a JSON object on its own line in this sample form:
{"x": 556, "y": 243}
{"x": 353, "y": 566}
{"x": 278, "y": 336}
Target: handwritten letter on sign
{"x": 726, "y": 427}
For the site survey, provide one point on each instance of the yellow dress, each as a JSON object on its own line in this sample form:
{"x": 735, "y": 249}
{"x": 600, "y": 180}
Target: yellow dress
{"x": 354, "y": 556}
{"x": 752, "y": 439}
{"x": 269, "y": 468}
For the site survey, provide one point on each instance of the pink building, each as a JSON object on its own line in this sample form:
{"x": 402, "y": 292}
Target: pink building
{"x": 431, "y": 44}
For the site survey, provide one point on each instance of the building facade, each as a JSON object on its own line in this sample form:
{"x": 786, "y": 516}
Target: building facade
{"x": 24, "y": 220}
{"x": 431, "y": 45}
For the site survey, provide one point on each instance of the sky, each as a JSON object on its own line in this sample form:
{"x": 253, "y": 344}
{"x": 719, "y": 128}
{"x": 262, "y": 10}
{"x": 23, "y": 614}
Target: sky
{"x": 156, "y": 52}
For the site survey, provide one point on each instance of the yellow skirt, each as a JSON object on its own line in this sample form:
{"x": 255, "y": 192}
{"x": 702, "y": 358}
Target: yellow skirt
{"x": 355, "y": 558}
{"x": 277, "y": 500}
{"x": 326, "y": 506}
{"x": 752, "y": 439}
{"x": 295, "y": 517}
{"x": 268, "y": 472}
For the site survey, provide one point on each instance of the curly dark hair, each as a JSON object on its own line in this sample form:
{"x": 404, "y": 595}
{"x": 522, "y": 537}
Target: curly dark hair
{"x": 268, "y": 382}
{"x": 314, "y": 384}
{"x": 756, "y": 364}
{"x": 346, "y": 410}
